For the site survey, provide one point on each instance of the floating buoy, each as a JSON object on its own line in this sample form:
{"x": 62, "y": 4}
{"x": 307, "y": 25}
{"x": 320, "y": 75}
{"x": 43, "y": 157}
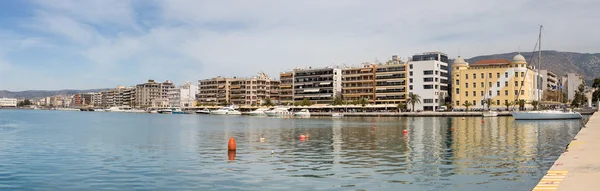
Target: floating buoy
{"x": 302, "y": 137}
{"x": 482, "y": 121}
{"x": 231, "y": 155}
{"x": 404, "y": 131}
{"x": 307, "y": 135}
{"x": 262, "y": 139}
{"x": 463, "y": 118}
{"x": 272, "y": 152}
{"x": 231, "y": 145}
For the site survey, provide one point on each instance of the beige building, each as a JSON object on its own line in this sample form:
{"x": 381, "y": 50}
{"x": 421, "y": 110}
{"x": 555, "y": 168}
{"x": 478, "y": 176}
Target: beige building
{"x": 254, "y": 91}
{"x": 359, "y": 82}
{"x": 120, "y": 96}
{"x": 286, "y": 88}
{"x": 153, "y": 94}
{"x": 214, "y": 91}
{"x": 378, "y": 83}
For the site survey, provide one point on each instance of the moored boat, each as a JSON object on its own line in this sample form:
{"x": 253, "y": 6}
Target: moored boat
{"x": 278, "y": 112}
{"x": 490, "y": 114}
{"x": 337, "y": 115}
{"x": 203, "y": 111}
{"x": 258, "y": 112}
{"x": 545, "y": 115}
{"x": 302, "y": 113}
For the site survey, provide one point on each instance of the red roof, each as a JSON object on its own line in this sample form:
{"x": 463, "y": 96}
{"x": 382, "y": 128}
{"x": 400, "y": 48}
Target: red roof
{"x": 493, "y": 62}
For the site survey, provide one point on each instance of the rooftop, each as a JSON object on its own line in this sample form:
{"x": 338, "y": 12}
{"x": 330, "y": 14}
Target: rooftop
{"x": 492, "y": 62}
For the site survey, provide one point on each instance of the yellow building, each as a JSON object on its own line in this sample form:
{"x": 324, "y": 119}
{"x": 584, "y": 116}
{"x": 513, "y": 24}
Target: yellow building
{"x": 502, "y": 81}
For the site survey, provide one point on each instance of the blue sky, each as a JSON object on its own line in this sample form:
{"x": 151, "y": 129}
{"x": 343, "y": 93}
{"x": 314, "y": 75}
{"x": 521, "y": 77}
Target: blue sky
{"x": 74, "y": 44}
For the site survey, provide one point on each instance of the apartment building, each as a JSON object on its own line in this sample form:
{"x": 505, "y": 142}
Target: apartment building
{"x": 549, "y": 80}
{"x": 503, "y": 81}
{"x": 76, "y": 100}
{"x": 320, "y": 86}
{"x": 97, "y": 99}
{"x": 390, "y": 82}
{"x": 116, "y": 97}
{"x": 153, "y": 94}
{"x": 428, "y": 78}
{"x": 183, "y": 96}
{"x": 254, "y": 91}
{"x": 570, "y": 82}
{"x": 286, "y": 88}
{"x": 214, "y": 91}
{"x": 359, "y": 83}
{"x": 8, "y": 102}
{"x": 86, "y": 99}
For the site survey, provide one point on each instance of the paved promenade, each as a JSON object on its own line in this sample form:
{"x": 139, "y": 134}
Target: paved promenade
{"x": 579, "y": 167}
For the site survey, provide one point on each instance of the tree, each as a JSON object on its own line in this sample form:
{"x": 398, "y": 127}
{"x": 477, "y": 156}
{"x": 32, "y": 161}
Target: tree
{"x": 306, "y": 102}
{"x": 467, "y": 104}
{"x": 596, "y": 83}
{"x": 25, "y": 102}
{"x": 579, "y": 98}
{"x": 268, "y": 102}
{"x": 448, "y": 106}
{"x": 413, "y": 99}
{"x": 489, "y": 102}
{"x": 363, "y": 102}
{"x": 535, "y": 104}
{"x": 521, "y": 104}
{"x": 508, "y": 104}
{"x": 338, "y": 101}
{"x": 401, "y": 106}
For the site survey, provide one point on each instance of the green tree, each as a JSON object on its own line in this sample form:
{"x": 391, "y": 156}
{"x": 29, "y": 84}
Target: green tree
{"x": 306, "y": 102}
{"x": 413, "y": 99}
{"x": 467, "y": 104}
{"x": 508, "y": 104}
{"x": 401, "y": 106}
{"x": 448, "y": 106}
{"x": 363, "y": 102}
{"x": 521, "y": 104}
{"x": 25, "y": 102}
{"x": 338, "y": 101}
{"x": 535, "y": 104}
{"x": 488, "y": 103}
{"x": 268, "y": 102}
{"x": 596, "y": 83}
{"x": 579, "y": 98}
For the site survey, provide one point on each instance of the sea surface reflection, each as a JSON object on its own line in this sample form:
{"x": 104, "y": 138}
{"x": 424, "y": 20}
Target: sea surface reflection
{"x": 54, "y": 150}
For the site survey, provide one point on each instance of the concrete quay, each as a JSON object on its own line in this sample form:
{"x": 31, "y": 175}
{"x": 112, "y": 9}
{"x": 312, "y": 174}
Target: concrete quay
{"x": 578, "y": 168}
{"x": 408, "y": 114}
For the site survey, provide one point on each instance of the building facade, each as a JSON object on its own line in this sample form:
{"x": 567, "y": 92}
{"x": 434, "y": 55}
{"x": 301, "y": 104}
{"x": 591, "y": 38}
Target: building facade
{"x": 214, "y": 91}
{"x": 254, "y": 91}
{"x": 320, "y": 86}
{"x": 428, "y": 78}
{"x": 502, "y": 81}
{"x": 183, "y": 96}
{"x": 8, "y": 102}
{"x": 377, "y": 83}
{"x": 286, "y": 88}
{"x": 153, "y": 94}
{"x": 570, "y": 83}
{"x": 359, "y": 83}
{"x": 549, "y": 80}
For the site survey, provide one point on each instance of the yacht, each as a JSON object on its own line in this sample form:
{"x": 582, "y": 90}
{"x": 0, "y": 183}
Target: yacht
{"x": 100, "y": 110}
{"x": 221, "y": 111}
{"x": 258, "y": 112}
{"x": 302, "y": 113}
{"x": 177, "y": 111}
{"x": 544, "y": 114}
{"x": 154, "y": 111}
{"x": 278, "y": 112}
{"x": 233, "y": 111}
{"x": 165, "y": 111}
{"x": 490, "y": 114}
{"x": 203, "y": 111}
{"x": 337, "y": 115}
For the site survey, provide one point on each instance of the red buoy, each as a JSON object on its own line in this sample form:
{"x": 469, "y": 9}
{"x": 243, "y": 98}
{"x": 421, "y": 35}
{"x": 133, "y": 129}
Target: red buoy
{"x": 482, "y": 121}
{"x": 302, "y": 137}
{"x": 404, "y": 131}
{"x": 231, "y": 146}
{"x": 231, "y": 155}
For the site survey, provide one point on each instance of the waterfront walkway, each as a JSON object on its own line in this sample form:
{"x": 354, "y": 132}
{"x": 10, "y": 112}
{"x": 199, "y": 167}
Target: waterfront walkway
{"x": 579, "y": 167}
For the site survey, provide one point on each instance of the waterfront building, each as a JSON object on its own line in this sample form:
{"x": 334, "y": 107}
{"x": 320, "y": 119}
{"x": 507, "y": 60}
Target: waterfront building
{"x": 377, "y": 83}
{"x": 153, "y": 94}
{"x": 254, "y": 91}
{"x": 502, "y": 81}
{"x": 8, "y": 102}
{"x": 86, "y": 99}
{"x": 214, "y": 91}
{"x": 428, "y": 78}
{"x": 97, "y": 99}
{"x": 320, "y": 86}
{"x": 570, "y": 82}
{"x": 183, "y": 96}
{"x": 286, "y": 88}
{"x": 76, "y": 100}
{"x": 549, "y": 80}
{"x": 359, "y": 83}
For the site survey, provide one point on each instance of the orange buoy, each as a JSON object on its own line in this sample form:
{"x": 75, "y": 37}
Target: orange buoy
{"x": 231, "y": 155}
{"x": 404, "y": 131}
{"x": 231, "y": 146}
{"x": 482, "y": 121}
{"x": 302, "y": 137}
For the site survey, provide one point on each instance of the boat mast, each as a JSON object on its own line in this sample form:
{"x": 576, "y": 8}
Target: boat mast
{"x": 539, "y": 68}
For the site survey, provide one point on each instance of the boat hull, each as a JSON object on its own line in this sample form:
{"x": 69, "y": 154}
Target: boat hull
{"x": 545, "y": 115}
{"x": 490, "y": 114}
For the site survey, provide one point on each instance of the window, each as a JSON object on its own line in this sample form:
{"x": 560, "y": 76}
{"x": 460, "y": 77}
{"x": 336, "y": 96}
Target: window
{"x": 466, "y": 93}
{"x": 428, "y": 79}
{"x": 410, "y": 87}
{"x": 427, "y": 100}
{"x": 457, "y": 103}
{"x": 522, "y": 92}
{"x": 410, "y": 73}
{"x": 410, "y": 66}
{"x": 505, "y": 92}
{"x": 498, "y": 92}
{"x": 466, "y": 76}
{"x": 436, "y": 73}
{"x": 436, "y": 87}
{"x": 436, "y": 79}
{"x": 457, "y": 82}
{"x": 490, "y": 93}
{"x": 490, "y": 84}
{"x": 506, "y": 74}
{"x": 505, "y": 101}
{"x": 474, "y": 93}
{"x": 457, "y": 91}
{"x": 474, "y": 76}
{"x": 482, "y": 102}
{"x": 436, "y": 101}
{"x": 474, "y": 103}
{"x": 427, "y": 87}
{"x": 466, "y": 85}
{"x": 522, "y": 65}
{"x": 506, "y": 83}
{"x": 498, "y": 75}
{"x": 497, "y": 84}
{"x": 482, "y": 76}
{"x": 516, "y": 92}
{"x": 516, "y": 83}
{"x": 481, "y": 93}
{"x": 522, "y": 83}
{"x": 474, "y": 85}
{"x": 490, "y": 75}
{"x": 522, "y": 74}
{"x": 410, "y": 80}
{"x": 497, "y": 102}
{"x": 427, "y": 72}
{"x": 516, "y": 74}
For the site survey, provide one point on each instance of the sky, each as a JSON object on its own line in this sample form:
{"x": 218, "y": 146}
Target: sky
{"x": 86, "y": 44}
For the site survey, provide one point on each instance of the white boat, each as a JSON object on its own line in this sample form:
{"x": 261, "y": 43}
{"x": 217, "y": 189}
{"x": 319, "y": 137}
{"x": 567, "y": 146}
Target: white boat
{"x": 67, "y": 109}
{"x": 165, "y": 111}
{"x": 233, "y": 111}
{"x": 203, "y": 111}
{"x": 490, "y": 114}
{"x": 177, "y": 111}
{"x": 545, "y": 115}
{"x": 154, "y": 111}
{"x": 337, "y": 115}
{"x": 302, "y": 113}
{"x": 220, "y": 111}
{"x": 278, "y": 112}
{"x": 100, "y": 110}
{"x": 258, "y": 112}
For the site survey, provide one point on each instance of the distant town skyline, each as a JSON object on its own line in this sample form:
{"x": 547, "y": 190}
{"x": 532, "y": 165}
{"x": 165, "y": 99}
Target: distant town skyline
{"x": 70, "y": 44}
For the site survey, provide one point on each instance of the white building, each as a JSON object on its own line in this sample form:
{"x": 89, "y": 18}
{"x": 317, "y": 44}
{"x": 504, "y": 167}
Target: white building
{"x": 8, "y": 102}
{"x": 428, "y": 78}
{"x": 570, "y": 84}
{"x": 183, "y": 96}
{"x": 320, "y": 86}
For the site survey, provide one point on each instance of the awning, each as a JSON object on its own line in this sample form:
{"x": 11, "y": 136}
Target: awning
{"x": 384, "y": 74}
{"x": 312, "y": 90}
{"x": 380, "y": 88}
{"x": 366, "y": 69}
{"x": 325, "y": 95}
{"x": 325, "y": 83}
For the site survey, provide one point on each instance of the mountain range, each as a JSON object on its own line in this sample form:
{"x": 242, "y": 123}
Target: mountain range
{"x": 43, "y": 93}
{"x": 560, "y": 63}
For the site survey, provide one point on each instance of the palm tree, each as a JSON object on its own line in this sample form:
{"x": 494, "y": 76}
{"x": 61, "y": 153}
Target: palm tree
{"x": 401, "y": 106}
{"x": 448, "y": 106}
{"x": 413, "y": 99}
{"x": 338, "y": 101}
{"x": 467, "y": 104}
{"x": 535, "y": 104}
{"x": 268, "y": 102}
{"x": 508, "y": 104}
{"x": 521, "y": 104}
{"x": 489, "y": 102}
{"x": 306, "y": 102}
{"x": 363, "y": 102}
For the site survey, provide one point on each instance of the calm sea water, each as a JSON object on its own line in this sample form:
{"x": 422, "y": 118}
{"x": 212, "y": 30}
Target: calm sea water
{"x": 61, "y": 150}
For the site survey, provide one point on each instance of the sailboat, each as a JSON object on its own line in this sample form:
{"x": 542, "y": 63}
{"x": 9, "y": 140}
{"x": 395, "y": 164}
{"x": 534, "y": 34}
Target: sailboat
{"x": 544, "y": 114}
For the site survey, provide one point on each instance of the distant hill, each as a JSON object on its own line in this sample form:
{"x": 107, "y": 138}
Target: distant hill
{"x": 560, "y": 63}
{"x": 43, "y": 93}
